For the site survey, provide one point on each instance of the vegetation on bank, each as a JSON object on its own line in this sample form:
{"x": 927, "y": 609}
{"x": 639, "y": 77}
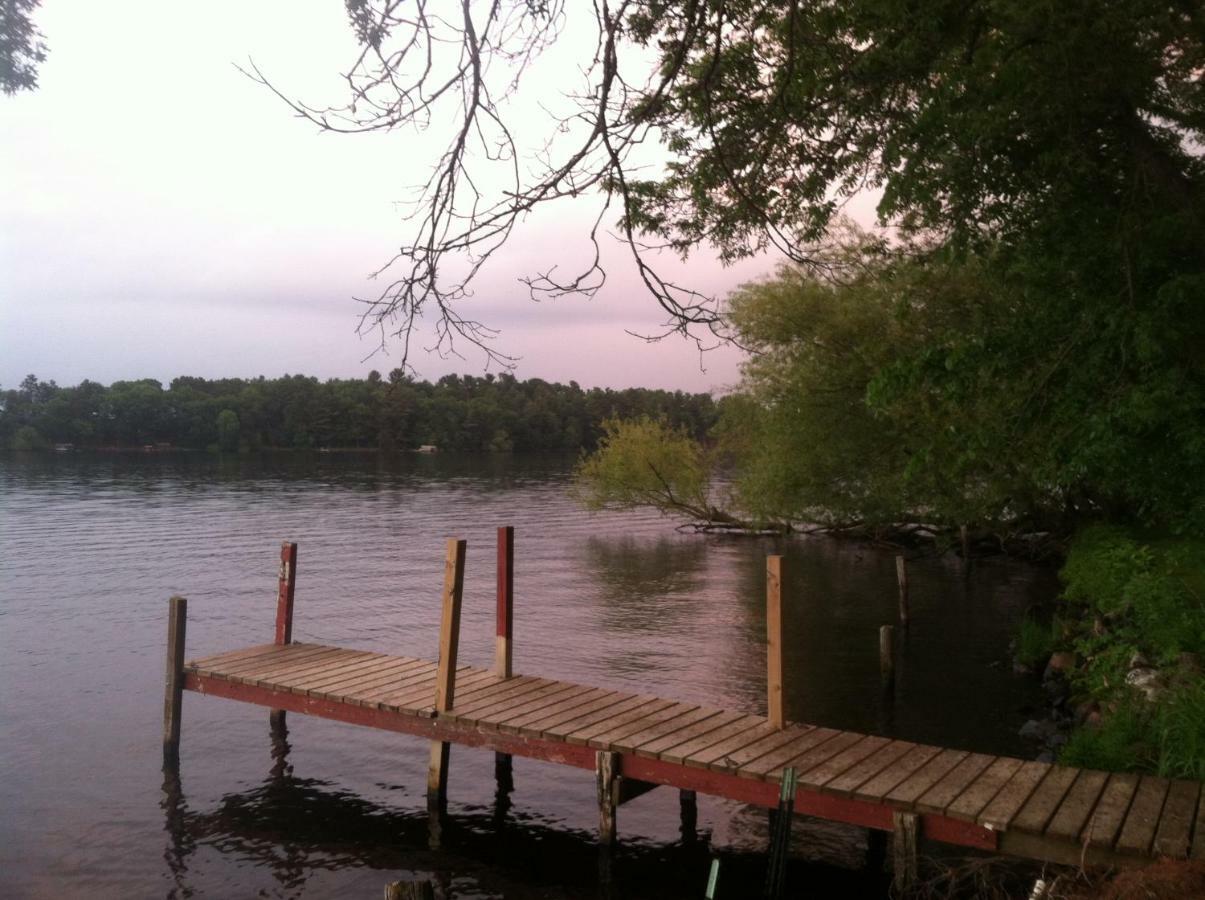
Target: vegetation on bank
{"x": 456, "y": 413}
{"x": 1133, "y": 614}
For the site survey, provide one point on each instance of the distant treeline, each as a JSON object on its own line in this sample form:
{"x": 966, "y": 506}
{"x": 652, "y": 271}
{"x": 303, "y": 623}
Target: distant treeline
{"x": 457, "y": 413}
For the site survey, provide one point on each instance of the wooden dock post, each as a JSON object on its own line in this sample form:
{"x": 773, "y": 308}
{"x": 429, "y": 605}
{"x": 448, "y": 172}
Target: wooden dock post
{"x": 503, "y": 765}
{"x": 606, "y": 769}
{"x": 887, "y": 655}
{"x": 286, "y": 589}
{"x": 688, "y": 815}
{"x": 774, "y": 641}
{"x": 177, "y": 620}
{"x": 905, "y": 829}
{"x": 445, "y": 678}
{"x": 901, "y": 576}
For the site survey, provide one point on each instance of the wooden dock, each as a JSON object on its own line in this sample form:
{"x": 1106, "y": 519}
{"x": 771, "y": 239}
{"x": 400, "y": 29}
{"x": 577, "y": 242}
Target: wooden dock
{"x": 636, "y": 742}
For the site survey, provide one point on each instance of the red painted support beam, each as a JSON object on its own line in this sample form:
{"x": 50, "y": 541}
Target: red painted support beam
{"x": 286, "y": 587}
{"x": 421, "y": 726}
{"x": 746, "y": 790}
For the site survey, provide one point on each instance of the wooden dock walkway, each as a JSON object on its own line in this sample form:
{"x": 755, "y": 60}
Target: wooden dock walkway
{"x": 635, "y": 742}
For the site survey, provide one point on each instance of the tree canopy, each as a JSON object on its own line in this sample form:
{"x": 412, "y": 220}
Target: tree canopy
{"x": 456, "y": 413}
{"x": 1063, "y": 138}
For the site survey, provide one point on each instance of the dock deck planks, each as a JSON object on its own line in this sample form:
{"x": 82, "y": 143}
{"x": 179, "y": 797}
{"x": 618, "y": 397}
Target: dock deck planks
{"x": 967, "y": 798}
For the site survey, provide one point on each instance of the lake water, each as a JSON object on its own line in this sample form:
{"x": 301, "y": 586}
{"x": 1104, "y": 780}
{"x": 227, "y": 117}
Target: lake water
{"x": 91, "y": 547}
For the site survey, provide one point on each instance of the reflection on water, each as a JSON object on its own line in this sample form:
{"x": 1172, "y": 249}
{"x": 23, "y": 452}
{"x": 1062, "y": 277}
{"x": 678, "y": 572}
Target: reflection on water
{"x": 91, "y": 547}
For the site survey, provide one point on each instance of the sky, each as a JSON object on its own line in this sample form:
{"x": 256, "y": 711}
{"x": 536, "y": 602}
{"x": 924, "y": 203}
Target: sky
{"x": 162, "y": 215}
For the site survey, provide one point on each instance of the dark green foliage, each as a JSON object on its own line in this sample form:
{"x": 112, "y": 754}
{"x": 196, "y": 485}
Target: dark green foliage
{"x": 457, "y": 413}
{"x": 1130, "y": 594}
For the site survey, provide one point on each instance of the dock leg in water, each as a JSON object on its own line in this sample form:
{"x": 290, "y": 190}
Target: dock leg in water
{"x": 876, "y": 851}
{"x": 606, "y": 768}
{"x": 688, "y": 807}
{"x": 903, "y": 850}
{"x": 177, "y": 619}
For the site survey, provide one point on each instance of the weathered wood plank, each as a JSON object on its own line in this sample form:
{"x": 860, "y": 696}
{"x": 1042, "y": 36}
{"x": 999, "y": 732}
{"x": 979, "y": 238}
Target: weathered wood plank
{"x": 1076, "y": 809}
{"x": 271, "y": 673}
{"x": 648, "y": 704}
{"x": 275, "y": 654}
{"x": 287, "y": 675}
{"x": 682, "y": 753}
{"x": 1042, "y": 803}
{"x": 373, "y": 662}
{"x": 285, "y": 656}
{"x": 689, "y": 733}
{"x": 232, "y": 656}
{"x": 879, "y": 786}
{"x": 700, "y": 719}
{"x": 597, "y": 713}
{"x": 839, "y": 763}
{"x": 972, "y": 799}
{"x": 942, "y": 793}
{"x": 1138, "y": 832}
{"x": 926, "y": 776}
{"x": 541, "y": 704}
{"x": 368, "y": 696}
{"x": 605, "y": 724}
{"x": 499, "y": 693}
{"x": 598, "y": 709}
{"x": 1111, "y": 809}
{"x": 745, "y": 756}
{"x": 768, "y": 766}
{"x": 816, "y": 755}
{"x": 848, "y": 782}
{"x": 515, "y": 705}
{"x": 724, "y": 749}
{"x": 398, "y": 669}
{"x": 1175, "y": 825}
{"x": 565, "y": 708}
{"x": 998, "y": 814}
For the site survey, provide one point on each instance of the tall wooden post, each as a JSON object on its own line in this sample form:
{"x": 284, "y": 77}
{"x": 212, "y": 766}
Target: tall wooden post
{"x": 506, "y": 593}
{"x": 173, "y": 695}
{"x": 503, "y": 660}
{"x": 774, "y": 641}
{"x": 887, "y": 655}
{"x": 901, "y": 576}
{"x": 445, "y": 678}
{"x": 286, "y": 589}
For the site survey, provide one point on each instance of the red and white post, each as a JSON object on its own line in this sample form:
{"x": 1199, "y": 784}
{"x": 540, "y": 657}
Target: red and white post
{"x": 286, "y": 588}
{"x": 503, "y": 659}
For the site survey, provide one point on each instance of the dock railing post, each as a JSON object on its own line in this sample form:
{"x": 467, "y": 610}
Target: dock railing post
{"x": 503, "y": 659}
{"x": 445, "y": 678}
{"x": 887, "y": 656}
{"x": 774, "y": 641}
{"x": 177, "y": 620}
{"x": 286, "y": 590}
{"x": 901, "y": 576}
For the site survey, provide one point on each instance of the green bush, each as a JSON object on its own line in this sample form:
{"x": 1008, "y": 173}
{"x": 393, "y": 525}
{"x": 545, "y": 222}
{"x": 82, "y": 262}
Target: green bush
{"x": 1035, "y": 642}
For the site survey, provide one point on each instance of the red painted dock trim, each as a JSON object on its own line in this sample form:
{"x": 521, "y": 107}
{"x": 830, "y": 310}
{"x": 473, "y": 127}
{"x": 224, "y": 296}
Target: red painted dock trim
{"x": 732, "y": 787}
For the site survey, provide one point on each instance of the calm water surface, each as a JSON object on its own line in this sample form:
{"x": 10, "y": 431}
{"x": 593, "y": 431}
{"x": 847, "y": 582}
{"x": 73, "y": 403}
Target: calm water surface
{"x": 92, "y": 546}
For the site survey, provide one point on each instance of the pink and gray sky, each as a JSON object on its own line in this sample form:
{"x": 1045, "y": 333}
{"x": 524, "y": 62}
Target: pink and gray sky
{"x": 161, "y": 214}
